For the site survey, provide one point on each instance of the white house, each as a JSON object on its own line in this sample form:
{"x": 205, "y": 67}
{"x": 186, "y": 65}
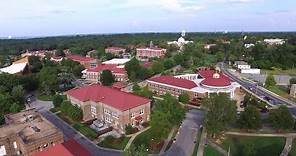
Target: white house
{"x": 275, "y": 41}
{"x": 242, "y": 65}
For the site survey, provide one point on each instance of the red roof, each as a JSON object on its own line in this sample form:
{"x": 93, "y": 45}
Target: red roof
{"x": 210, "y": 80}
{"x": 80, "y": 58}
{"x": 170, "y": 80}
{"x": 151, "y": 48}
{"x": 109, "y": 96}
{"x": 112, "y": 67}
{"x": 69, "y": 148}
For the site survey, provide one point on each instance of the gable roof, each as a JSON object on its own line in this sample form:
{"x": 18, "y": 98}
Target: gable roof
{"x": 178, "y": 82}
{"x": 69, "y": 148}
{"x": 109, "y": 96}
{"x": 113, "y": 68}
{"x": 80, "y": 58}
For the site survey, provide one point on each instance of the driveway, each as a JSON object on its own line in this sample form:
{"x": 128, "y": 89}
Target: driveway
{"x": 185, "y": 140}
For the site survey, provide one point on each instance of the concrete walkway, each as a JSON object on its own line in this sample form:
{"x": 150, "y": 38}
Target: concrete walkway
{"x": 262, "y": 134}
{"x": 167, "y": 141}
{"x": 133, "y": 136}
{"x": 202, "y": 142}
{"x": 288, "y": 145}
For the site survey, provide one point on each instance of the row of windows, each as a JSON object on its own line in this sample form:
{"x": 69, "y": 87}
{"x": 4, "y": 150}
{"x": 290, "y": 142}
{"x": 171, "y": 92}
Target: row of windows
{"x": 133, "y": 114}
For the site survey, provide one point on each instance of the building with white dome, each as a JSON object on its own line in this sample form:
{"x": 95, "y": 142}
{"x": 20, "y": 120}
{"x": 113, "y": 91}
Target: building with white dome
{"x": 180, "y": 42}
{"x": 197, "y": 86}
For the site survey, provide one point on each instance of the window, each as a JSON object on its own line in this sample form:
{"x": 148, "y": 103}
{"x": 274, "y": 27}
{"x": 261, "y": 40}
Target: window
{"x": 115, "y": 115}
{"x": 141, "y": 111}
{"x": 93, "y": 109}
{"x": 107, "y": 111}
{"x": 133, "y": 115}
{"x": 108, "y": 119}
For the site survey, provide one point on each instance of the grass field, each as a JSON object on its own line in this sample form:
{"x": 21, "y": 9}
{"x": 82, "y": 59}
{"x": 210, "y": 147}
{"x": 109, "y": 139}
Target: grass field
{"x": 114, "y": 143}
{"x": 282, "y": 91}
{"x": 210, "y": 151}
{"x": 259, "y": 146}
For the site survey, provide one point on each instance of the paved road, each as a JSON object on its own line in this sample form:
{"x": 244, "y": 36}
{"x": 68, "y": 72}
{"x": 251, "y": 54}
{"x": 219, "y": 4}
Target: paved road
{"x": 259, "y": 92}
{"x": 185, "y": 140}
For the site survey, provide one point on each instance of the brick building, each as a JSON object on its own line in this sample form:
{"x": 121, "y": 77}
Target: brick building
{"x": 148, "y": 53}
{"x": 112, "y": 107}
{"x": 117, "y": 51}
{"x": 197, "y": 86}
{"x": 93, "y": 74}
{"x": 26, "y": 133}
{"x": 87, "y": 62}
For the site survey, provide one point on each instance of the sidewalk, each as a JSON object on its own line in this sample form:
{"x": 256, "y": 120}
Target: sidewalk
{"x": 288, "y": 146}
{"x": 133, "y": 136}
{"x": 202, "y": 142}
{"x": 167, "y": 141}
{"x": 263, "y": 134}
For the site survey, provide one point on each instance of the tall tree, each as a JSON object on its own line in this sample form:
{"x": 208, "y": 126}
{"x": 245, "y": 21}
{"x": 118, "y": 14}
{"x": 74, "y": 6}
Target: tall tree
{"x": 250, "y": 118}
{"x": 281, "y": 118}
{"x": 107, "y": 78}
{"x": 220, "y": 112}
{"x": 184, "y": 98}
{"x": 18, "y": 94}
{"x": 136, "y": 151}
{"x": 270, "y": 81}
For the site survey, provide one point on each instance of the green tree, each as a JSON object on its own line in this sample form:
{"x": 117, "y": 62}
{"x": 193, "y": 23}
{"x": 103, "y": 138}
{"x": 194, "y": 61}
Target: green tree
{"x": 168, "y": 63}
{"x": 107, "y": 78}
{"x": 74, "y": 112}
{"x": 48, "y": 79}
{"x": 281, "y": 118}
{"x": 220, "y": 112}
{"x": 35, "y": 64}
{"x": 57, "y": 100}
{"x": 14, "y": 108}
{"x": 250, "y": 118}
{"x": 77, "y": 70}
{"x": 184, "y": 98}
{"x": 270, "y": 81}
{"x": 18, "y": 94}
{"x": 136, "y": 87}
{"x": 136, "y": 151}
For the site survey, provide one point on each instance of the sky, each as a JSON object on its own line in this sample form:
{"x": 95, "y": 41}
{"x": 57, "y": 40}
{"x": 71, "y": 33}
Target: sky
{"x": 19, "y": 18}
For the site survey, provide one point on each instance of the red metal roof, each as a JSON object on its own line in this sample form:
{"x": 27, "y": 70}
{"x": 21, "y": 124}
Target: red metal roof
{"x": 80, "y": 58}
{"x": 112, "y": 67}
{"x": 69, "y": 148}
{"x": 221, "y": 81}
{"x": 109, "y": 96}
{"x": 170, "y": 80}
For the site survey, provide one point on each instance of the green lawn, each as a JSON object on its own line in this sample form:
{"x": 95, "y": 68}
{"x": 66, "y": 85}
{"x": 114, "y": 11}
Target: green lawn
{"x": 148, "y": 139}
{"x": 66, "y": 118}
{"x": 276, "y": 71}
{"x": 282, "y": 91}
{"x": 210, "y": 151}
{"x": 85, "y": 130}
{"x": 44, "y": 97}
{"x": 293, "y": 150}
{"x": 259, "y": 146}
{"x": 114, "y": 143}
